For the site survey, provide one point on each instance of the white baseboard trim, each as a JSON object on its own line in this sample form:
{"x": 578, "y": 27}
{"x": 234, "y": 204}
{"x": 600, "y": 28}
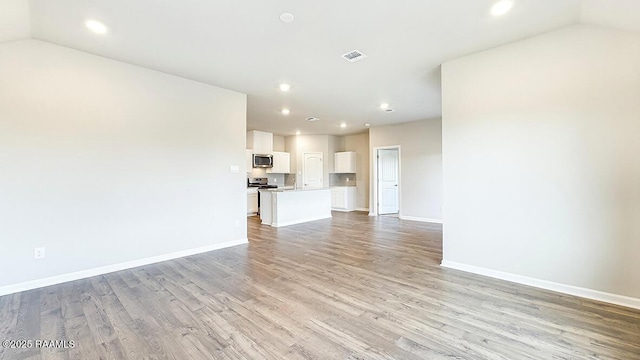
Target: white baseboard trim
{"x": 300, "y": 221}
{"x": 414, "y": 218}
{"x": 83, "y": 274}
{"x": 547, "y": 285}
{"x": 352, "y": 210}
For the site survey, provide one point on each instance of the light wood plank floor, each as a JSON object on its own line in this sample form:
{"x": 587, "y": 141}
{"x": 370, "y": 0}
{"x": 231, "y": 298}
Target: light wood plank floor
{"x": 352, "y": 287}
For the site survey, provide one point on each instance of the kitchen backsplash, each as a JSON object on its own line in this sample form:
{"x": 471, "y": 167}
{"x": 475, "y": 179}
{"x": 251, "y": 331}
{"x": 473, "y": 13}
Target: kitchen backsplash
{"x": 289, "y": 179}
{"x": 342, "y": 179}
{"x": 274, "y": 179}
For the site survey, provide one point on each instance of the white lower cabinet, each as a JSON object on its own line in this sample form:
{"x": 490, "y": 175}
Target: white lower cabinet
{"x": 252, "y": 202}
{"x": 343, "y": 198}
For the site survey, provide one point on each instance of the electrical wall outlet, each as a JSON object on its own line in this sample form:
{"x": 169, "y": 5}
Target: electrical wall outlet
{"x": 38, "y": 253}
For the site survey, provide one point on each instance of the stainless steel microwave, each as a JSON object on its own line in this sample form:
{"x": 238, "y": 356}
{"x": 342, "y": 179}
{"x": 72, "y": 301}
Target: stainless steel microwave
{"x": 262, "y": 161}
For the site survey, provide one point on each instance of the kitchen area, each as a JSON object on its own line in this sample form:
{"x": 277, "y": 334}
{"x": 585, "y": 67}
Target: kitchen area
{"x": 300, "y": 178}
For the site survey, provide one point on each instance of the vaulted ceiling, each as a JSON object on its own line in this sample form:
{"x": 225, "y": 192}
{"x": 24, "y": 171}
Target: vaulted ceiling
{"x": 244, "y": 46}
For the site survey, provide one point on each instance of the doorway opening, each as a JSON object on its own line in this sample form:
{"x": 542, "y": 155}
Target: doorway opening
{"x": 387, "y": 184}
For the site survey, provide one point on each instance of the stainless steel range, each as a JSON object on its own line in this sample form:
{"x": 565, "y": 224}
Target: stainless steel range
{"x": 260, "y": 183}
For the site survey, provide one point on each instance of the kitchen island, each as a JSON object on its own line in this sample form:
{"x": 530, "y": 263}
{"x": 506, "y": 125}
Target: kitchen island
{"x": 288, "y": 207}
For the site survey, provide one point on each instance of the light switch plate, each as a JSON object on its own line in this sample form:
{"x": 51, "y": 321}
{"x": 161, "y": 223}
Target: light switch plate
{"x": 38, "y": 253}
{"x": 234, "y": 169}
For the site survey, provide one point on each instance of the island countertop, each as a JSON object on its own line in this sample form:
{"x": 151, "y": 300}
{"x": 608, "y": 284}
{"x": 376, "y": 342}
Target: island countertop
{"x": 278, "y": 190}
{"x": 287, "y": 207}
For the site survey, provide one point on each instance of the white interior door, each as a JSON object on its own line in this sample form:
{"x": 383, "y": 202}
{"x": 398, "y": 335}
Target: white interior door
{"x": 312, "y": 173}
{"x": 388, "y": 181}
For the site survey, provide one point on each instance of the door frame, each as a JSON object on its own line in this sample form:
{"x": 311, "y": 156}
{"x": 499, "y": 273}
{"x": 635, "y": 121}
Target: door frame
{"x": 304, "y": 165}
{"x": 373, "y": 207}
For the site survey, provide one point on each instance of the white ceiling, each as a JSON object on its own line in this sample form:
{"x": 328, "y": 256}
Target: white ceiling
{"x": 243, "y": 46}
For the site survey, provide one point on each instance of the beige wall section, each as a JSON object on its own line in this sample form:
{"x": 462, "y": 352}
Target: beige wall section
{"x": 105, "y": 163}
{"x": 541, "y": 159}
{"x": 291, "y": 146}
{"x": 14, "y": 20}
{"x": 309, "y": 144}
{"x": 360, "y": 144}
{"x": 278, "y": 143}
{"x": 335, "y": 144}
{"x": 421, "y": 166}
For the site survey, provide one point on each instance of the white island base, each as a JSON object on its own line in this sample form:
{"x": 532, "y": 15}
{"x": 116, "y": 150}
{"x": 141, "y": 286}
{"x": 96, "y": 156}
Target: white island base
{"x": 282, "y": 208}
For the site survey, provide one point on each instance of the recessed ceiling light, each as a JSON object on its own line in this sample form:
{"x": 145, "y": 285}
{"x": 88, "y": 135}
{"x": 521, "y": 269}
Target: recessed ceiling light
{"x": 285, "y": 87}
{"x": 285, "y": 111}
{"x": 343, "y": 125}
{"x": 384, "y": 106}
{"x": 286, "y": 17}
{"x": 501, "y": 7}
{"x": 96, "y": 26}
{"x": 298, "y": 133}
{"x": 367, "y": 124}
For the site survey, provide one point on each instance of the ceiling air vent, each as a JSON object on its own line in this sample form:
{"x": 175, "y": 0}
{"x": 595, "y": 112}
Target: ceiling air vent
{"x": 353, "y": 56}
{"x": 312, "y": 119}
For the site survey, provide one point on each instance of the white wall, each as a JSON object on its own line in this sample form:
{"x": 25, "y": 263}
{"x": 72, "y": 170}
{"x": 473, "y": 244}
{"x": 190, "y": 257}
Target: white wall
{"x": 104, "y": 163}
{"x": 14, "y": 20}
{"x": 421, "y": 166}
{"x": 620, "y": 14}
{"x": 541, "y": 159}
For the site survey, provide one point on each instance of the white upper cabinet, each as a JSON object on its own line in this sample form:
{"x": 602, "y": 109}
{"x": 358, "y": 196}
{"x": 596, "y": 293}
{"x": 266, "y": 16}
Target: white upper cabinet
{"x": 345, "y": 162}
{"x": 260, "y": 142}
{"x": 281, "y": 163}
